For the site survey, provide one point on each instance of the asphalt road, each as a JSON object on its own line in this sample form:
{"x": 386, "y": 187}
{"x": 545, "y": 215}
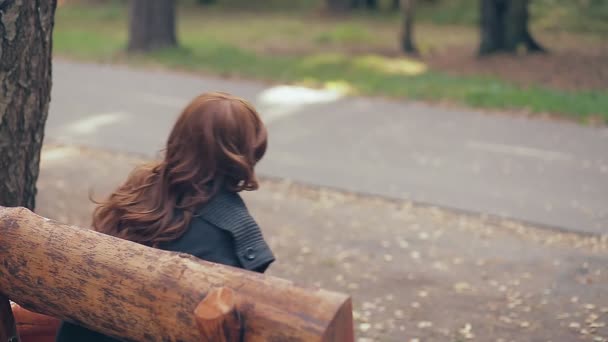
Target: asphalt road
{"x": 546, "y": 172}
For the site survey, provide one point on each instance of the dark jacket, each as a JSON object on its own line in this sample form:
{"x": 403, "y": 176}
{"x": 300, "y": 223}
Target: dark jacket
{"x": 223, "y": 232}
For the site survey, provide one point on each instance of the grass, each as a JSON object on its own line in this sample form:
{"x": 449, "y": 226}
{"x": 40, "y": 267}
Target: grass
{"x": 313, "y": 52}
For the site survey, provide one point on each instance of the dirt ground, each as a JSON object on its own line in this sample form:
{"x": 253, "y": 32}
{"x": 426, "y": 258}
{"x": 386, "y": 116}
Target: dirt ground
{"x": 574, "y": 62}
{"x": 570, "y": 63}
{"x": 568, "y": 70}
{"x": 416, "y": 273}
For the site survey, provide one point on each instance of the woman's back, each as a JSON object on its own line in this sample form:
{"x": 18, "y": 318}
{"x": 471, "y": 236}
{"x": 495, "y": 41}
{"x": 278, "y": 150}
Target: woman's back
{"x": 188, "y": 202}
{"x": 222, "y": 232}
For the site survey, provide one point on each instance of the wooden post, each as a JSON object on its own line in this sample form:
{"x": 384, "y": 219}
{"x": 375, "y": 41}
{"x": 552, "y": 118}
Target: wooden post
{"x": 217, "y": 316}
{"x": 133, "y": 292}
{"x": 8, "y": 329}
{"x": 33, "y": 327}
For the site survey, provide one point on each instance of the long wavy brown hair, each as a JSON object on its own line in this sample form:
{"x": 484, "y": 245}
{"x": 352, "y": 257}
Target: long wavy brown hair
{"x": 214, "y": 146}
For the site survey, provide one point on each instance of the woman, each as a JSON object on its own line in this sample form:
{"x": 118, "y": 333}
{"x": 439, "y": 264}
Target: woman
{"x": 189, "y": 201}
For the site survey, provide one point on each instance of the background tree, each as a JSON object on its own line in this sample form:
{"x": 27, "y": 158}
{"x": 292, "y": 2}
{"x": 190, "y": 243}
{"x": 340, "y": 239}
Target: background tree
{"x": 373, "y": 4}
{"x": 407, "y": 30}
{"x": 504, "y": 27}
{"x": 151, "y": 25}
{"x": 369, "y": 4}
{"x": 25, "y": 89}
{"x": 338, "y": 6}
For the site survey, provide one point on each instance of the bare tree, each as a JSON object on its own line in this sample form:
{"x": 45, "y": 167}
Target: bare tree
{"x": 407, "y": 31}
{"x": 504, "y": 27}
{"x": 151, "y": 25}
{"x": 25, "y": 91}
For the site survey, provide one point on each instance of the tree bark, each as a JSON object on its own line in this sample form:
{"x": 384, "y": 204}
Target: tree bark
{"x": 25, "y": 88}
{"x": 151, "y": 25}
{"x": 138, "y": 293}
{"x": 407, "y": 32}
{"x": 505, "y": 27}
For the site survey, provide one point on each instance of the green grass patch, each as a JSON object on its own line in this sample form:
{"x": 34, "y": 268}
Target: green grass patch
{"x": 345, "y": 33}
{"x": 217, "y": 45}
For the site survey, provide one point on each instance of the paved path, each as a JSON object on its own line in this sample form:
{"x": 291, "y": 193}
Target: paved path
{"x": 550, "y": 173}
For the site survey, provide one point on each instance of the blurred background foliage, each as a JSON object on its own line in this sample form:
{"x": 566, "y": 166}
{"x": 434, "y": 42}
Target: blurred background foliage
{"x": 358, "y": 50}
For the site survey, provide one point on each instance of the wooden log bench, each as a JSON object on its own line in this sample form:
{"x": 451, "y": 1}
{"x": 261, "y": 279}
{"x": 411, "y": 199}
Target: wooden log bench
{"x": 137, "y": 293}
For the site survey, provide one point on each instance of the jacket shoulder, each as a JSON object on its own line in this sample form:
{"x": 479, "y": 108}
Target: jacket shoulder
{"x": 228, "y": 211}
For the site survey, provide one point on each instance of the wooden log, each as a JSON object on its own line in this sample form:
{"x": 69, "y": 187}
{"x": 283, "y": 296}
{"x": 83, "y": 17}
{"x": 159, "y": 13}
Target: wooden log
{"x": 137, "y": 293}
{"x": 218, "y": 318}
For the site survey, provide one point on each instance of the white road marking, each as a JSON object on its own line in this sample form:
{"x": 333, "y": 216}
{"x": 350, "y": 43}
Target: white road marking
{"x": 273, "y": 103}
{"x": 521, "y": 151}
{"x": 281, "y": 101}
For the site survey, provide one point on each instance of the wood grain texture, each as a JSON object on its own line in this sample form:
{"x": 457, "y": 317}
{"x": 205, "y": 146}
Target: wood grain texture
{"x": 138, "y": 293}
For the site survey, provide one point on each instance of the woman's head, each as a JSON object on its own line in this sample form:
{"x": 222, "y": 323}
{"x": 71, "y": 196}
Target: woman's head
{"x": 214, "y": 145}
{"x": 216, "y": 141}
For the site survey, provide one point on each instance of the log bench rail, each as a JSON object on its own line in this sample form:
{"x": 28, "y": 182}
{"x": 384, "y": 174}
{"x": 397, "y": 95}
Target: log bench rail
{"x": 136, "y": 293}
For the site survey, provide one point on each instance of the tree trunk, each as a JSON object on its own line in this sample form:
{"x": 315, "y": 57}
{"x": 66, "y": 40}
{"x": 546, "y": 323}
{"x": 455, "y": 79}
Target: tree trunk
{"x": 407, "y": 32}
{"x": 504, "y": 27}
{"x": 338, "y": 6}
{"x": 25, "y": 88}
{"x": 369, "y": 4}
{"x": 151, "y": 25}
